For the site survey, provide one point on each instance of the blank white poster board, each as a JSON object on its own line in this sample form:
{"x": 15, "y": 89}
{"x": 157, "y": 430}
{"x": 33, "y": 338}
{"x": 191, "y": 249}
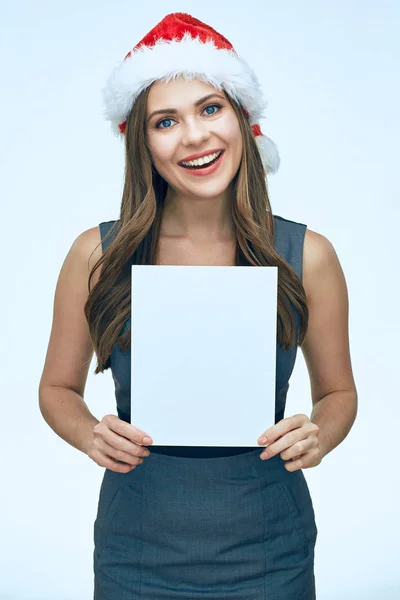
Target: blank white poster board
{"x": 203, "y": 353}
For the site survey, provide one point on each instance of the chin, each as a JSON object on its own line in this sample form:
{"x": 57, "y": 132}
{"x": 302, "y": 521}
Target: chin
{"x": 208, "y": 190}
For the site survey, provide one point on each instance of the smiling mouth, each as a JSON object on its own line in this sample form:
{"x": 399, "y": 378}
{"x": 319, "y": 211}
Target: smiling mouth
{"x": 198, "y": 167}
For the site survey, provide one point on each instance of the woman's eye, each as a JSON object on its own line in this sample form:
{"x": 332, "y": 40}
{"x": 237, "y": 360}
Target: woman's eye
{"x": 162, "y": 121}
{"x": 212, "y": 106}
{"x": 159, "y": 124}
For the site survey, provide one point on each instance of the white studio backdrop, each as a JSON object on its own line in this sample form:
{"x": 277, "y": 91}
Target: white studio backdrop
{"x": 330, "y": 74}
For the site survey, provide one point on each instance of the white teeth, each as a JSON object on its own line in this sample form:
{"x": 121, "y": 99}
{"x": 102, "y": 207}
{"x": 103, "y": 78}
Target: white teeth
{"x": 201, "y": 161}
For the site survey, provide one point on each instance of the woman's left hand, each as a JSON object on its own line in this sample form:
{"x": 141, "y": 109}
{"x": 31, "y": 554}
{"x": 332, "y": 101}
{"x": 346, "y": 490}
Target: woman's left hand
{"x": 296, "y": 438}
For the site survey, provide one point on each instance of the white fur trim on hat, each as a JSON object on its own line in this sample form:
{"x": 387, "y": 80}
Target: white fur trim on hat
{"x": 189, "y": 57}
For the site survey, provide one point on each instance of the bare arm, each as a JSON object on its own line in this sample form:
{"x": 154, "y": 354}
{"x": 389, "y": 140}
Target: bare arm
{"x": 111, "y": 442}
{"x": 69, "y": 353}
{"x": 326, "y": 346}
{"x": 300, "y": 440}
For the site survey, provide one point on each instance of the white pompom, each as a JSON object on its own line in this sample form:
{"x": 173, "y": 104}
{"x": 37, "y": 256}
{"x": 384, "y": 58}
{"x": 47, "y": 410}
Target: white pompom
{"x": 269, "y": 154}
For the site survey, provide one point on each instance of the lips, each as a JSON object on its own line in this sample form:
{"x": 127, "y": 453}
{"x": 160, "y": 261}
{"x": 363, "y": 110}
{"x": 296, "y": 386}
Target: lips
{"x": 205, "y": 165}
{"x": 196, "y": 156}
{"x": 205, "y": 170}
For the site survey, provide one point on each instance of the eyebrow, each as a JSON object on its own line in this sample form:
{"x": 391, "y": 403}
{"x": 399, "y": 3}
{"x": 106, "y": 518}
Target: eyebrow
{"x": 174, "y": 111}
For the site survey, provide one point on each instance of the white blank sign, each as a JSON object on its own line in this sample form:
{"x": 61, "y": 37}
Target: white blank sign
{"x": 203, "y": 348}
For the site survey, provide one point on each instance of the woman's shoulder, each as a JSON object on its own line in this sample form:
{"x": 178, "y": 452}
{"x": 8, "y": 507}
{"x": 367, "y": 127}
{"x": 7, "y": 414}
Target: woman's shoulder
{"x": 319, "y": 260}
{"x": 94, "y": 239}
{"x": 87, "y": 250}
{"x": 315, "y": 244}
{"x": 318, "y": 253}
{"x": 89, "y": 240}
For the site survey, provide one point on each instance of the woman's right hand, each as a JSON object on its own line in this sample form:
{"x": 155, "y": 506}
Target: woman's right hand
{"x": 115, "y": 440}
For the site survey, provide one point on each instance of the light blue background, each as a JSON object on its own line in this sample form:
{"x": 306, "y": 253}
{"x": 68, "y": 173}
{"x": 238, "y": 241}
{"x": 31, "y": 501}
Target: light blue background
{"x": 330, "y": 71}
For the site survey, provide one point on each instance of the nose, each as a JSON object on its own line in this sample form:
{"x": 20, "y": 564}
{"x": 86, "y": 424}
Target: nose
{"x": 194, "y": 133}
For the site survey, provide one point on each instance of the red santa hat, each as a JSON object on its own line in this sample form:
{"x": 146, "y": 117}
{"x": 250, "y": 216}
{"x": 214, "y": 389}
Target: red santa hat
{"x": 183, "y": 45}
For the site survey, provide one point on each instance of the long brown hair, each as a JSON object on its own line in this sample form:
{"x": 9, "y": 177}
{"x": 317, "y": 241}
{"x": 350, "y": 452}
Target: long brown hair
{"x": 135, "y": 239}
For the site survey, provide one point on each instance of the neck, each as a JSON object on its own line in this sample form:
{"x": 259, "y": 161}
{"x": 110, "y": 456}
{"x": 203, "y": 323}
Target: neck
{"x": 203, "y": 220}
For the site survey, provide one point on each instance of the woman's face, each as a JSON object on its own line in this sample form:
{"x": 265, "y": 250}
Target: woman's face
{"x": 190, "y": 125}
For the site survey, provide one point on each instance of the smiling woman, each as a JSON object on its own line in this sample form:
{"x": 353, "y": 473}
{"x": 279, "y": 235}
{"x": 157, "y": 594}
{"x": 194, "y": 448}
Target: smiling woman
{"x": 204, "y": 522}
{"x": 193, "y": 127}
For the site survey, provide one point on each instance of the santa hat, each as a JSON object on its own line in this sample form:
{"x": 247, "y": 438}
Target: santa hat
{"x": 183, "y": 45}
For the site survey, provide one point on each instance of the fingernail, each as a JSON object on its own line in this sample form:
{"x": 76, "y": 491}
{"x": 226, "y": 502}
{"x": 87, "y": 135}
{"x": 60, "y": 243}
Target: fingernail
{"x": 262, "y": 440}
{"x": 147, "y": 440}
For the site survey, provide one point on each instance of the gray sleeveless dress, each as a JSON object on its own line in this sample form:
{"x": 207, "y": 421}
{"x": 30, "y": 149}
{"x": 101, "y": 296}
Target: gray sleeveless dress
{"x": 219, "y": 523}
